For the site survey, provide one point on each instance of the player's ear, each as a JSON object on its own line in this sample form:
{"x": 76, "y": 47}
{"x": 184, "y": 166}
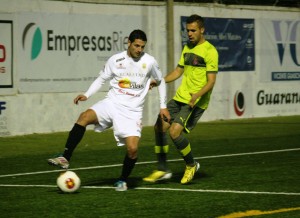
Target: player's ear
{"x": 202, "y": 30}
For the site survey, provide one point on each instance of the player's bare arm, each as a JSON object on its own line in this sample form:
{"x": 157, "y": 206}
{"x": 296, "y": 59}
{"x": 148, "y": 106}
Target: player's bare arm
{"x": 211, "y": 80}
{"x": 174, "y": 74}
{"x": 170, "y": 77}
{"x": 80, "y": 98}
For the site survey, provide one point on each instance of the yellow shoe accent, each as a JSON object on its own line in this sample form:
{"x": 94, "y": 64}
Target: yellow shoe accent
{"x": 189, "y": 173}
{"x": 158, "y": 175}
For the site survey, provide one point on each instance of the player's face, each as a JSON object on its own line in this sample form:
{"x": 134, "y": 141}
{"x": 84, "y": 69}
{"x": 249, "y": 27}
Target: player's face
{"x": 195, "y": 33}
{"x": 136, "y": 48}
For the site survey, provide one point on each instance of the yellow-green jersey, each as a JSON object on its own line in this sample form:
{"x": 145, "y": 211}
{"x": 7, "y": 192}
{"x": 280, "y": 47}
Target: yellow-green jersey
{"x": 196, "y": 61}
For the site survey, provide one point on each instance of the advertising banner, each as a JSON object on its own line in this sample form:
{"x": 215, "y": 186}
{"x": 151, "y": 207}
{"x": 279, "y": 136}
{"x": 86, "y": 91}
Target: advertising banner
{"x": 279, "y": 68}
{"x": 6, "y": 54}
{"x": 280, "y": 50}
{"x": 65, "y": 52}
{"x": 234, "y": 40}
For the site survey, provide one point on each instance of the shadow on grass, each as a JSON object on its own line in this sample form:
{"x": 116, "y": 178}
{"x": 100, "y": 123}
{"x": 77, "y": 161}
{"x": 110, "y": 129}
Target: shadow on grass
{"x": 135, "y": 182}
{"x": 132, "y": 182}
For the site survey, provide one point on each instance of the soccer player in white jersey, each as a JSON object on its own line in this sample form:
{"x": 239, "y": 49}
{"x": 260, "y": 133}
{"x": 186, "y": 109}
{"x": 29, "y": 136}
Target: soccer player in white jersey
{"x": 129, "y": 74}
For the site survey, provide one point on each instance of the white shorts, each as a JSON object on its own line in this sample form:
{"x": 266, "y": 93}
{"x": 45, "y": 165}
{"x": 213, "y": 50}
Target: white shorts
{"x": 123, "y": 121}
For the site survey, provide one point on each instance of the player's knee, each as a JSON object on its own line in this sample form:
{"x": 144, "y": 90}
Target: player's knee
{"x": 132, "y": 153}
{"x": 85, "y": 119}
{"x": 174, "y": 133}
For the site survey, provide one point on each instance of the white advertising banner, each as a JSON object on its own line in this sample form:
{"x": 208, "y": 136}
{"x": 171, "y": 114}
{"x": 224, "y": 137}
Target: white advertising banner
{"x": 6, "y": 54}
{"x": 278, "y": 90}
{"x": 280, "y": 50}
{"x": 65, "y": 52}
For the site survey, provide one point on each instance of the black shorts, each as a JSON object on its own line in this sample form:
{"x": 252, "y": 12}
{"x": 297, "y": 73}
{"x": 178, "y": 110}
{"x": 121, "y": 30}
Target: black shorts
{"x": 184, "y": 115}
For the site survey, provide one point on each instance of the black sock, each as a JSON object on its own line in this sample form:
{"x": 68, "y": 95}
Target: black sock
{"x": 183, "y": 146}
{"x": 75, "y": 136}
{"x": 161, "y": 150}
{"x": 128, "y": 165}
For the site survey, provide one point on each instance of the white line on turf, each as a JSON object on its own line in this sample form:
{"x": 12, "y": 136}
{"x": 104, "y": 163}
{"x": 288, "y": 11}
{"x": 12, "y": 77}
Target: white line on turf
{"x": 150, "y": 162}
{"x": 163, "y": 189}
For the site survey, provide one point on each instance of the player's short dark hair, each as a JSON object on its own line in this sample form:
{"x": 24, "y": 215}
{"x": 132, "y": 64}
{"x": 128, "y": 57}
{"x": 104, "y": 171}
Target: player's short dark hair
{"x": 137, "y": 34}
{"x": 195, "y": 18}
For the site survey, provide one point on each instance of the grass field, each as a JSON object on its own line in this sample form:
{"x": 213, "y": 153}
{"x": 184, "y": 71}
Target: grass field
{"x": 249, "y": 167}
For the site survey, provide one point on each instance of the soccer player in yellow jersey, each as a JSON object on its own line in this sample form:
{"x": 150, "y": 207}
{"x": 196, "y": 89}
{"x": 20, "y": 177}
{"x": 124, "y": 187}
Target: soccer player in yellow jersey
{"x": 198, "y": 67}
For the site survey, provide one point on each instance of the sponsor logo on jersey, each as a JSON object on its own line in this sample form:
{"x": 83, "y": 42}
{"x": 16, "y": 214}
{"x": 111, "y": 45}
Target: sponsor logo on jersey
{"x": 127, "y": 84}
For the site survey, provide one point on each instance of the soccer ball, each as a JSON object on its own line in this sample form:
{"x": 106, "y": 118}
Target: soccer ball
{"x": 68, "y": 182}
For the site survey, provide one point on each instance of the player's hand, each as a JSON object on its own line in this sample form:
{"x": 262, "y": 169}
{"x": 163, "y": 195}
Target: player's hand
{"x": 80, "y": 98}
{"x": 193, "y": 100}
{"x": 165, "y": 115}
{"x": 153, "y": 83}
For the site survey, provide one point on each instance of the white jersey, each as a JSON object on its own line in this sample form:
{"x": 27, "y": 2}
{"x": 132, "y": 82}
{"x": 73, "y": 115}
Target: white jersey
{"x": 129, "y": 80}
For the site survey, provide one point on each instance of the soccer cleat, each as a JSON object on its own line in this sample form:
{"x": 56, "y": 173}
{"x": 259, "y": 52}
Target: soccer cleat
{"x": 59, "y": 161}
{"x": 189, "y": 173}
{"x": 158, "y": 175}
{"x": 120, "y": 186}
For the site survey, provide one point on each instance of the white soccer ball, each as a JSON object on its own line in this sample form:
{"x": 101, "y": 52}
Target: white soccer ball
{"x": 68, "y": 182}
